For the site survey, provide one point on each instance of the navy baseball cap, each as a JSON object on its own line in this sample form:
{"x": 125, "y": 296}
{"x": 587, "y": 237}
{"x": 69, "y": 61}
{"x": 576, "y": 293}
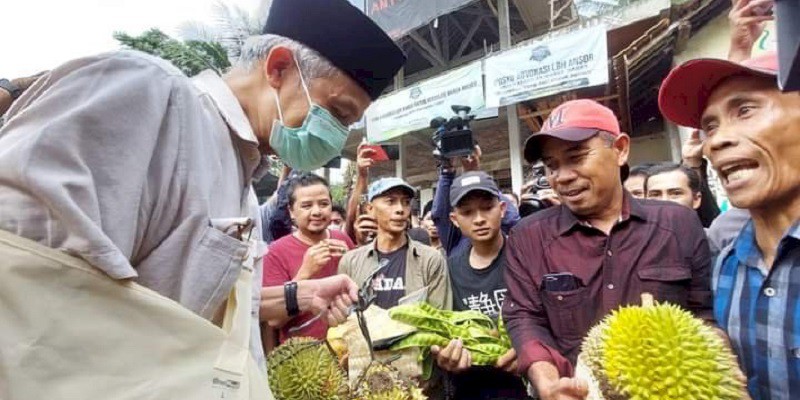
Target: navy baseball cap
{"x": 470, "y": 182}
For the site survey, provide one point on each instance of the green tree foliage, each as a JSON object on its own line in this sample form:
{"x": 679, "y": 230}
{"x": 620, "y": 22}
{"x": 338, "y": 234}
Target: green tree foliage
{"x": 339, "y": 194}
{"x": 191, "y": 56}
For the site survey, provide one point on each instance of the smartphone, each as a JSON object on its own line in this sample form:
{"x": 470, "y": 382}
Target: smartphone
{"x": 384, "y": 152}
{"x": 560, "y": 282}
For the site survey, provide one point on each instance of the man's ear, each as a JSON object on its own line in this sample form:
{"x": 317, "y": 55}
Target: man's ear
{"x": 279, "y": 61}
{"x": 503, "y": 207}
{"x": 697, "y": 200}
{"x": 454, "y": 220}
{"x": 622, "y": 144}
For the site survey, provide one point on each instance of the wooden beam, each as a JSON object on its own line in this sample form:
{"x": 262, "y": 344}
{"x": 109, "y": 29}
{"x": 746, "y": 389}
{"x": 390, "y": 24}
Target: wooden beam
{"x": 532, "y": 123}
{"x": 435, "y": 40}
{"x": 426, "y": 47}
{"x": 434, "y": 62}
{"x": 492, "y": 7}
{"x": 468, "y": 38}
{"x": 446, "y": 35}
{"x": 464, "y": 31}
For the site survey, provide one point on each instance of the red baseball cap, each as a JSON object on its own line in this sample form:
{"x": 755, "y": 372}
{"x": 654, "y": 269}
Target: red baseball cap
{"x": 574, "y": 121}
{"x": 684, "y": 93}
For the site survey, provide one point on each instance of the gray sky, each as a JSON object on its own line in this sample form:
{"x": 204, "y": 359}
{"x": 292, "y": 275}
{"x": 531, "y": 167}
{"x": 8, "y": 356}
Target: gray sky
{"x": 39, "y": 34}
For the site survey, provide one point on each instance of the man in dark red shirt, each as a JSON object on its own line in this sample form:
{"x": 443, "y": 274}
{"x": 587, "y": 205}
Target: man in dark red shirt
{"x": 311, "y": 252}
{"x": 569, "y": 266}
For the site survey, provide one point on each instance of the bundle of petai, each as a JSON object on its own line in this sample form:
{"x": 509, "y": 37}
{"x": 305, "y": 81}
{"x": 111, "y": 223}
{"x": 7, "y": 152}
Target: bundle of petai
{"x": 485, "y": 340}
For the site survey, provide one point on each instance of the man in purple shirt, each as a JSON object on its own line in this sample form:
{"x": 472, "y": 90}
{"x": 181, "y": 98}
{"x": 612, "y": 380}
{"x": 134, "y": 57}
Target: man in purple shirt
{"x": 569, "y": 266}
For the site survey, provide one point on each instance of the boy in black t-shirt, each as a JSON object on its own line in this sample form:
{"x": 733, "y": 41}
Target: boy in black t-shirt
{"x": 476, "y": 277}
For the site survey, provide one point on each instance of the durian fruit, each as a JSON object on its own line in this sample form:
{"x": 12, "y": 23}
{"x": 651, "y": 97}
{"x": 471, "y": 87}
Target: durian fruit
{"x": 305, "y": 369}
{"x": 382, "y": 382}
{"x": 336, "y": 340}
{"x": 657, "y": 352}
{"x": 590, "y": 360}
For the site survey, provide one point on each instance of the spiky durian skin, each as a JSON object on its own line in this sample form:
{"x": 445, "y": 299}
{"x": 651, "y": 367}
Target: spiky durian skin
{"x": 381, "y": 382}
{"x": 304, "y": 369}
{"x": 592, "y": 358}
{"x": 663, "y": 352}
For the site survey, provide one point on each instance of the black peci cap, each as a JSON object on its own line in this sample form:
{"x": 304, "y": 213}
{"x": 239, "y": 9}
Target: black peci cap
{"x": 344, "y": 35}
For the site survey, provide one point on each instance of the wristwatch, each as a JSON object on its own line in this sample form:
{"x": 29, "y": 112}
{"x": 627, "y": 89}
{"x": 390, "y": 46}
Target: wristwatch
{"x": 290, "y": 298}
{"x": 11, "y": 88}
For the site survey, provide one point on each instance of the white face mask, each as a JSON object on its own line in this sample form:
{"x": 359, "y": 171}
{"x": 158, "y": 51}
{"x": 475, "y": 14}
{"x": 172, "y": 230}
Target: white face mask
{"x": 316, "y": 142}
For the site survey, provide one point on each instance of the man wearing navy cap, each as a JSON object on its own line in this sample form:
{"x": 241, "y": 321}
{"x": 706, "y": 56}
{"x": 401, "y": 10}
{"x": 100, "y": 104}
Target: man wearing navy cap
{"x": 751, "y": 131}
{"x": 476, "y": 277}
{"x": 124, "y": 162}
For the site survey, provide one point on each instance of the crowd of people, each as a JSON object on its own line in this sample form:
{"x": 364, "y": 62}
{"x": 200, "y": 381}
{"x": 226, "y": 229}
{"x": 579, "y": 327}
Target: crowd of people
{"x": 589, "y": 234}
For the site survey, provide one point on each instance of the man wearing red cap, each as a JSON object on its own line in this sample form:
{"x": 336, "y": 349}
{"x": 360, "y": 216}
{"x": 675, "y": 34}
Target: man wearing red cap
{"x": 569, "y": 266}
{"x": 751, "y": 140}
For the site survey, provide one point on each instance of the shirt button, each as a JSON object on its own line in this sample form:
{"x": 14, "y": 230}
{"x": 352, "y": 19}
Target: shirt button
{"x": 609, "y": 253}
{"x": 560, "y": 297}
{"x": 610, "y": 286}
{"x": 769, "y": 292}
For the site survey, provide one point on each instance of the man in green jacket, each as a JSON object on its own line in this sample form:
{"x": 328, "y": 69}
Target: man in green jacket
{"x": 406, "y": 267}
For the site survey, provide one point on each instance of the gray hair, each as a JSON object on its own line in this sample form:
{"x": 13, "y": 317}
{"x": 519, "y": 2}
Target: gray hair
{"x": 607, "y": 137}
{"x": 312, "y": 64}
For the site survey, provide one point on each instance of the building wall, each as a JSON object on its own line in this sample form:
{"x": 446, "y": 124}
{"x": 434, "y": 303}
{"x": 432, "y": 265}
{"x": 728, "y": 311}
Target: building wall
{"x": 652, "y": 148}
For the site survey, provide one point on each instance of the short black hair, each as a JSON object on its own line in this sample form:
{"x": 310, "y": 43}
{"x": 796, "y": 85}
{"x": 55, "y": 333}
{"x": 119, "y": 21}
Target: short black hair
{"x": 428, "y": 208}
{"x": 304, "y": 180}
{"x": 642, "y": 170}
{"x": 691, "y": 175}
{"x": 339, "y": 209}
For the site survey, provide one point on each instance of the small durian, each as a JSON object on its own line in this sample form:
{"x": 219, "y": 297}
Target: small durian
{"x": 658, "y": 352}
{"x": 336, "y": 340}
{"x": 305, "y": 369}
{"x": 382, "y": 382}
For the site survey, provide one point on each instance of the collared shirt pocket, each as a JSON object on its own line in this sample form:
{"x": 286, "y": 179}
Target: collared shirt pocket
{"x": 220, "y": 257}
{"x": 567, "y": 312}
{"x": 667, "y": 282}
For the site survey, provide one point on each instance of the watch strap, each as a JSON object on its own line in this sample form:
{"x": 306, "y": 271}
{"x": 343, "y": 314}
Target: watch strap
{"x": 290, "y": 296}
{"x": 11, "y": 88}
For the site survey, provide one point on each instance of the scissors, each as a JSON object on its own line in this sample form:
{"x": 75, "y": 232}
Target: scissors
{"x": 366, "y": 297}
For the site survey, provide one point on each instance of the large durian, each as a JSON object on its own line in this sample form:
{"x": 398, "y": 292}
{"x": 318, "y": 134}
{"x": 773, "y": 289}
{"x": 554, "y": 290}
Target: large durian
{"x": 655, "y": 352}
{"x": 305, "y": 369}
{"x": 382, "y": 382}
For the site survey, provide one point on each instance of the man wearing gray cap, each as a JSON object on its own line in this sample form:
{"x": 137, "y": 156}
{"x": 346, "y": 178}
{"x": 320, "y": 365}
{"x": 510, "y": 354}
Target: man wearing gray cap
{"x": 406, "y": 266}
{"x": 120, "y": 165}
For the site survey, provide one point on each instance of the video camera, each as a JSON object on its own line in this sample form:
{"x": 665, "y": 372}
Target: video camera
{"x": 453, "y": 137}
{"x": 540, "y": 182}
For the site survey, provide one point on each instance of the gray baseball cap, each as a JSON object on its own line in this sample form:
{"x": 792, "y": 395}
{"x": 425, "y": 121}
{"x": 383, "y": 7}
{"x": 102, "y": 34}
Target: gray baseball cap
{"x": 384, "y": 185}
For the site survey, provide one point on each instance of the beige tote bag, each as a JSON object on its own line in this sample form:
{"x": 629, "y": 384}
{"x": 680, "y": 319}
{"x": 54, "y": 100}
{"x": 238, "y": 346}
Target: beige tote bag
{"x": 68, "y": 331}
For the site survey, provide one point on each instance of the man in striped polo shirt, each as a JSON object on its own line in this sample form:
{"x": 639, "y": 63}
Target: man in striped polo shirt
{"x": 753, "y": 141}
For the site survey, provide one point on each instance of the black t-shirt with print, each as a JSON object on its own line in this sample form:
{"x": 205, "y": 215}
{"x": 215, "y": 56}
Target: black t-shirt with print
{"x": 389, "y": 284}
{"x": 481, "y": 290}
